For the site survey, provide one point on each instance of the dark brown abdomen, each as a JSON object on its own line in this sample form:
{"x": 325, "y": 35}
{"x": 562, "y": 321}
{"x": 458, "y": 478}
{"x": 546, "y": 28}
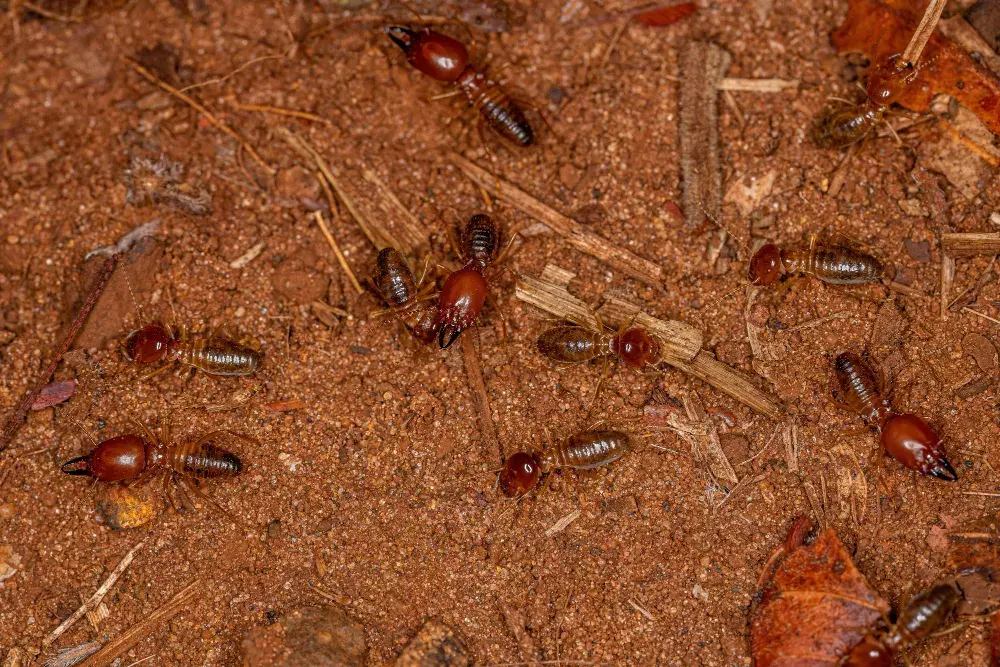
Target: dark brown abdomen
{"x": 570, "y": 344}
{"x": 592, "y": 449}
{"x": 222, "y": 357}
{"x": 204, "y": 460}
{"x": 860, "y": 388}
{"x": 840, "y": 265}
{"x": 500, "y": 113}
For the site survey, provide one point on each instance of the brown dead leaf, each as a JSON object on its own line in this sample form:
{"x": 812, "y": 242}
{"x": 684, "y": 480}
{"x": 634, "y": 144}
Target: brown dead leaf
{"x": 814, "y": 609}
{"x": 54, "y": 393}
{"x": 945, "y": 67}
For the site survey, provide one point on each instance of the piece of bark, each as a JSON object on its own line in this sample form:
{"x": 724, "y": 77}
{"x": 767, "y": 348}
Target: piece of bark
{"x": 702, "y": 67}
{"x": 970, "y": 244}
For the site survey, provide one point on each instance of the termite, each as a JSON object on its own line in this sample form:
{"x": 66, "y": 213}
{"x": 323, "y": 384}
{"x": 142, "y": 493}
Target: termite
{"x": 829, "y": 262}
{"x": 132, "y": 458}
{"x": 886, "y": 84}
{"x": 466, "y": 290}
{"x": 583, "y": 451}
{"x": 921, "y": 616}
{"x": 155, "y": 343}
{"x": 446, "y": 59}
{"x": 394, "y": 282}
{"x": 904, "y": 436}
{"x": 572, "y": 344}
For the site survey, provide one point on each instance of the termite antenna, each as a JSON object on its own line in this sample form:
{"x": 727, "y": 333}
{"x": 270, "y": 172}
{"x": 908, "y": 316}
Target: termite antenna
{"x": 128, "y": 283}
{"x": 85, "y": 432}
{"x": 722, "y": 226}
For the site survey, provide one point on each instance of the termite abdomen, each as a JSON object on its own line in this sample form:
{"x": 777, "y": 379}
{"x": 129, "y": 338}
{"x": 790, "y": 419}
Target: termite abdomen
{"x": 520, "y": 474}
{"x": 590, "y": 449}
{"x": 838, "y": 265}
{"x": 843, "y": 127}
{"x": 496, "y": 107}
{"x": 923, "y": 614}
{"x": 221, "y": 357}
{"x": 480, "y": 241}
{"x": 203, "y": 460}
{"x": 859, "y": 388}
{"x": 113, "y": 460}
{"x": 572, "y": 344}
{"x": 438, "y": 56}
{"x": 393, "y": 278}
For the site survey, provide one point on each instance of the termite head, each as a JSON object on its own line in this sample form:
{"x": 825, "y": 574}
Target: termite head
{"x": 888, "y": 80}
{"x": 765, "y": 265}
{"x": 636, "y": 347}
{"x": 871, "y": 651}
{"x": 114, "y": 460}
{"x": 148, "y": 345}
{"x": 462, "y": 297}
{"x": 520, "y": 474}
{"x": 911, "y": 441}
{"x": 438, "y": 56}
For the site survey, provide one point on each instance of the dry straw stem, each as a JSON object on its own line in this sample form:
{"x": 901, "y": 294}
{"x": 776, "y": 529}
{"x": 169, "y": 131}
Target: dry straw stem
{"x": 924, "y": 31}
{"x": 702, "y": 67}
{"x": 376, "y": 233}
{"x": 563, "y": 523}
{"x": 265, "y": 108}
{"x": 758, "y": 85}
{"x": 482, "y": 400}
{"x": 947, "y": 279}
{"x": 971, "y": 244}
{"x": 116, "y": 647}
{"x": 680, "y": 342}
{"x": 95, "y": 599}
{"x": 13, "y": 424}
{"x": 209, "y": 116}
{"x": 337, "y": 253}
{"x": 576, "y": 234}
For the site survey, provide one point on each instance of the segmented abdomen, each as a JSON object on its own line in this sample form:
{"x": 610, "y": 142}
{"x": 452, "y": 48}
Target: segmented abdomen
{"x": 591, "y": 449}
{"x": 480, "y": 239}
{"x": 393, "y": 278}
{"x": 846, "y": 126}
{"x": 860, "y": 388}
{"x": 841, "y": 265}
{"x": 203, "y": 460}
{"x": 572, "y": 344}
{"x": 221, "y": 357}
{"x": 497, "y": 109}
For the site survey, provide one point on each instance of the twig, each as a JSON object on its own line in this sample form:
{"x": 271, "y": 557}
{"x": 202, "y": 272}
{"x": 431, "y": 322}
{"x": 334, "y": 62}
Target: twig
{"x": 642, "y": 610}
{"x": 336, "y": 251}
{"x": 230, "y": 75}
{"x": 679, "y": 342}
{"x": 209, "y": 116}
{"x": 966, "y": 309}
{"x": 517, "y": 626}
{"x": 265, "y": 108}
{"x": 818, "y": 321}
{"x": 947, "y": 279}
{"x": 376, "y": 233}
{"x": 562, "y": 523}
{"x": 413, "y": 233}
{"x": 924, "y": 31}
{"x": 249, "y": 256}
{"x": 758, "y": 85}
{"x": 116, "y": 647}
{"x": 743, "y": 483}
{"x": 980, "y": 493}
{"x": 840, "y": 173}
{"x": 95, "y": 599}
{"x": 13, "y": 424}
{"x": 482, "y": 400}
{"x": 970, "y": 244}
{"x": 575, "y": 234}
{"x": 702, "y": 67}
{"x": 49, "y": 14}
{"x": 612, "y": 44}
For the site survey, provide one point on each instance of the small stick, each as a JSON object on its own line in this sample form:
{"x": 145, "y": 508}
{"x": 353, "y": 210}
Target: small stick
{"x": 13, "y": 424}
{"x": 414, "y": 233}
{"x": 249, "y": 256}
{"x": 757, "y": 85}
{"x": 479, "y": 395}
{"x": 982, "y": 315}
{"x": 230, "y": 75}
{"x": 970, "y": 244}
{"x": 562, "y": 523}
{"x": 209, "y": 116}
{"x": 376, "y": 233}
{"x": 947, "y": 279}
{"x": 702, "y": 67}
{"x": 923, "y": 31}
{"x": 575, "y": 234}
{"x": 265, "y": 108}
{"x": 517, "y": 626}
{"x": 642, "y": 610}
{"x": 336, "y": 251}
{"x": 41, "y": 11}
{"x": 95, "y": 599}
{"x": 116, "y": 647}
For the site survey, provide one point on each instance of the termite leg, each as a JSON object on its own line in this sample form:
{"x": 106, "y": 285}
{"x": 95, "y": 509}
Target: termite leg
{"x": 204, "y": 496}
{"x": 606, "y": 364}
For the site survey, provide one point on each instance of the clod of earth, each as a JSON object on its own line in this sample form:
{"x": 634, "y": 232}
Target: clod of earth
{"x": 436, "y": 645}
{"x": 307, "y": 637}
{"x": 121, "y": 507}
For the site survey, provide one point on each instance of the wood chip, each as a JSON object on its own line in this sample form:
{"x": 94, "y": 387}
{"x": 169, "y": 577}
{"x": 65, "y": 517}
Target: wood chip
{"x": 971, "y": 244}
{"x": 249, "y": 256}
{"x": 719, "y": 465}
{"x": 577, "y": 235}
{"x": 481, "y": 399}
{"x": 758, "y": 85}
{"x": 702, "y": 67}
{"x": 562, "y": 523}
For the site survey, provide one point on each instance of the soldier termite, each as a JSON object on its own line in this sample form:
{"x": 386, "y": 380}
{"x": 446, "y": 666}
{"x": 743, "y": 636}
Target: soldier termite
{"x": 466, "y": 291}
{"x": 584, "y": 450}
{"x": 446, "y": 59}
{"x": 904, "y": 436}
{"x": 140, "y": 458}
{"x": 394, "y": 282}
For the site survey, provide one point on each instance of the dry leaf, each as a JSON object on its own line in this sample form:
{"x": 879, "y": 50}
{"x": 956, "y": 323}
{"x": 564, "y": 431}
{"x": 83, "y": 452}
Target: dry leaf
{"x": 748, "y": 196}
{"x": 945, "y": 67}
{"x": 660, "y": 16}
{"x": 54, "y": 394}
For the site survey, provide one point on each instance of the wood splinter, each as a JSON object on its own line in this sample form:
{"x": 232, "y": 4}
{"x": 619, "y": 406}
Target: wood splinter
{"x": 679, "y": 342}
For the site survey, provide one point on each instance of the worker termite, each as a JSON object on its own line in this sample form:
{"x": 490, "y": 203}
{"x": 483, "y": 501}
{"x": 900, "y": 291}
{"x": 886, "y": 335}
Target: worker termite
{"x": 134, "y": 458}
{"x": 394, "y": 282}
{"x": 446, "y": 59}
{"x": 832, "y": 263}
{"x": 904, "y": 436}
{"x": 585, "y": 450}
{"x": 886, "y": 84}
{"x": 575, "y": 344}
{"x": 921, "y": 616}
{"x": 155, "y": 343}
{"x": 466, "y": 290}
